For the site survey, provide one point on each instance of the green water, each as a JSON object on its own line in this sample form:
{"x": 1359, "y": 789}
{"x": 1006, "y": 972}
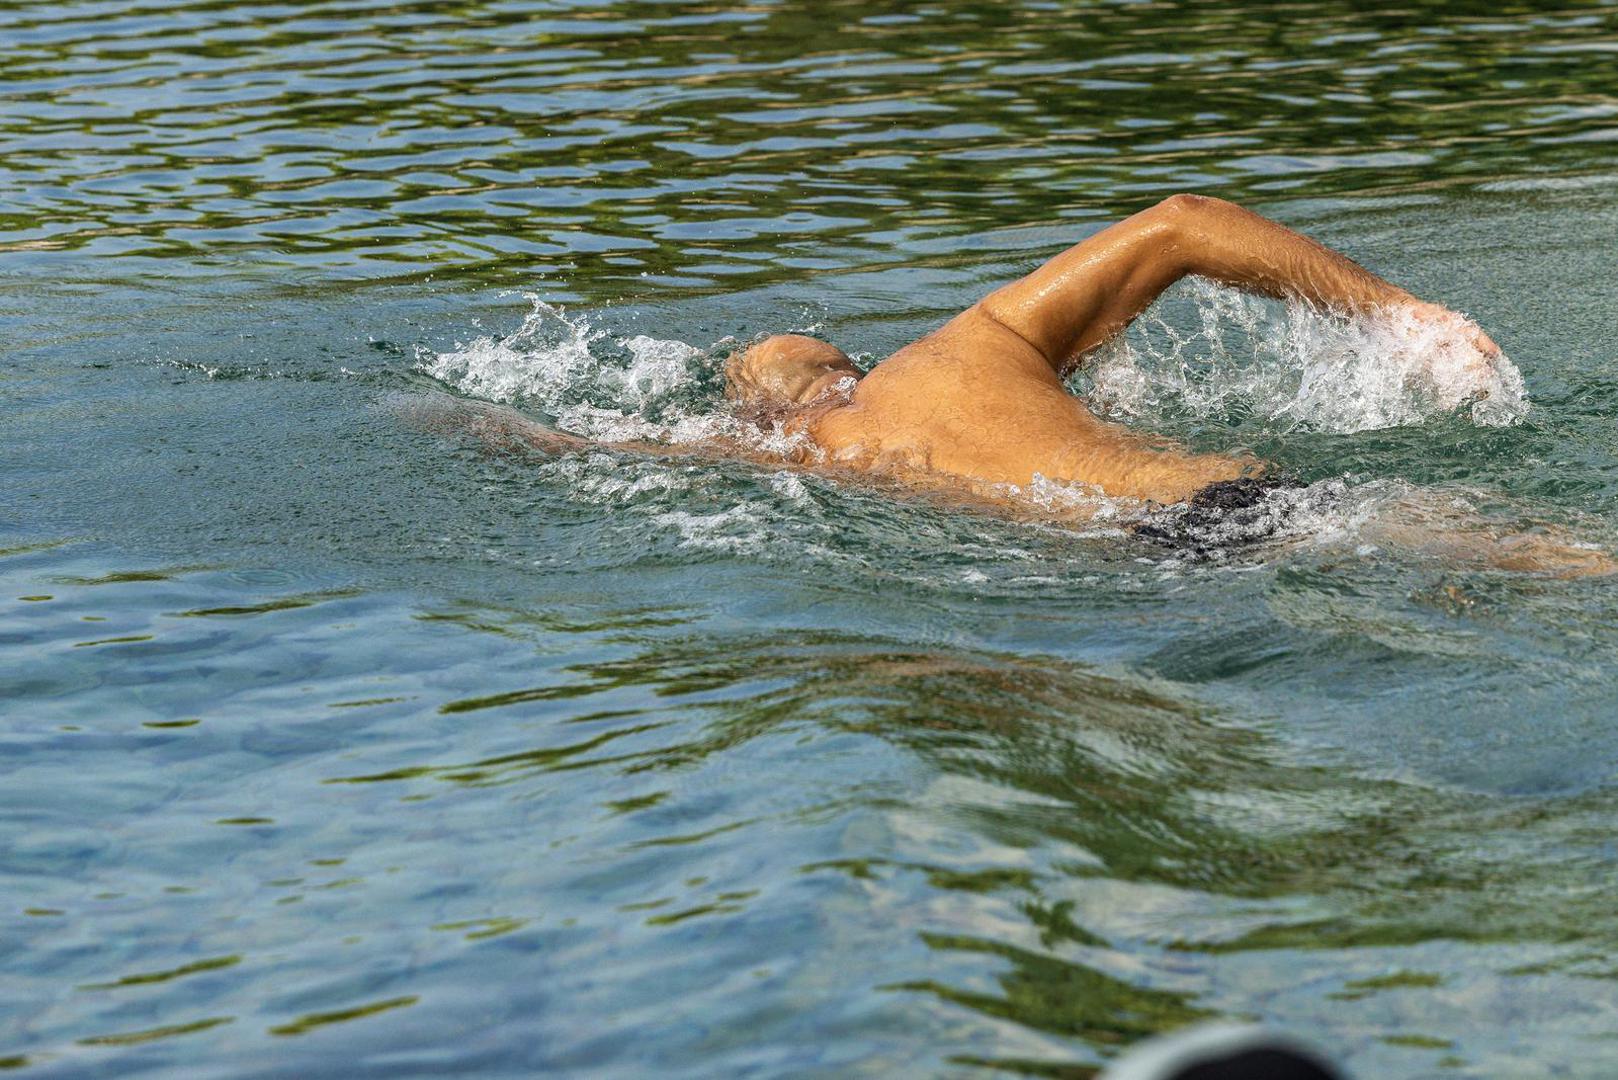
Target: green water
{"x": 332, "y": 743}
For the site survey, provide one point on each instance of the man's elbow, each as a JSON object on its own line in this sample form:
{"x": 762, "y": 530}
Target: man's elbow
{"x": 1185, "y": 208}
{"x": 1182, "y": 225}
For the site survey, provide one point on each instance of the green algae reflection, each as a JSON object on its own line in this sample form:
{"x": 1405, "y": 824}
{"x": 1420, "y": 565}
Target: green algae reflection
{"x": 311, "y": 1021}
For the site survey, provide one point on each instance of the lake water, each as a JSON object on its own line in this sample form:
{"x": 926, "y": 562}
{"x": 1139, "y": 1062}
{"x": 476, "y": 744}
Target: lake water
{"x": 335, "y": 744}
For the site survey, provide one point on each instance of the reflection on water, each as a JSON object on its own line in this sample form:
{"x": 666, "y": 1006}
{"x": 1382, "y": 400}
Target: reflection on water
{"x": 627, "y": 143}
{"x": 337, "y": 744}
{"x": 1060, "y": 860}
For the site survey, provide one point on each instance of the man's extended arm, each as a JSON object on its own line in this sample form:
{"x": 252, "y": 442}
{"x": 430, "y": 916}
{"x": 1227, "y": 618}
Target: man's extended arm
{"x": 1092, "y": 291}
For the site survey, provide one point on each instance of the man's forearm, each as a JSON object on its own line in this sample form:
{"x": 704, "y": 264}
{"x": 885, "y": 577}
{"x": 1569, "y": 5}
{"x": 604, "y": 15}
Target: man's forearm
{"x": 1222, "y": 241}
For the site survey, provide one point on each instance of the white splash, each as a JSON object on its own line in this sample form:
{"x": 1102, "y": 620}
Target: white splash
{"x": 588, "y": 382}
{"x": 657, "y": 367}
{"x": 538, "y": 362}
{"x": 553, "y": 362}
{"x": 1303, "y": 370}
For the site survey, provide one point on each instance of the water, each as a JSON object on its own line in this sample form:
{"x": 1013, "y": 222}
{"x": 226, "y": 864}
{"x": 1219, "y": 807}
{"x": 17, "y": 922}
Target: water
{"x": 337, "y": 744}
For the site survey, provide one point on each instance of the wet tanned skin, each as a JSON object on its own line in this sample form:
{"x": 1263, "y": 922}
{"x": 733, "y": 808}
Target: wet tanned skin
{"x": 980, "y": 401}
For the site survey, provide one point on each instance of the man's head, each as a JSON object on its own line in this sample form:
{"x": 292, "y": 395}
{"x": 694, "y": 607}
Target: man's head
{"x": 786, "y": 370}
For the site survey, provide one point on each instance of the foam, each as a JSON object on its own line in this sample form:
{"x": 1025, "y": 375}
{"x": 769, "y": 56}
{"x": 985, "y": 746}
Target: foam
{"x": 741, "y": 529}
{"x": 601, "y": 479}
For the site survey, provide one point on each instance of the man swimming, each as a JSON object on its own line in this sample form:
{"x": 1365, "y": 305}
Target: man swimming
{"x": 980, "y": 402}
{"x": 977, "y": 410}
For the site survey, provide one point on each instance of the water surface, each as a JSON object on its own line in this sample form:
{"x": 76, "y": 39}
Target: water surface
{"x": 336, "y": 744}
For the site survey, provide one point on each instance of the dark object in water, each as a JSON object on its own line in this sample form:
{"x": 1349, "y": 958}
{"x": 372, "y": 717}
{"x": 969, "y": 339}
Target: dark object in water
{"x": 1226, "y": 514}
{"x": 1222, "y": 1052}
{"x": 1237, "y": 494}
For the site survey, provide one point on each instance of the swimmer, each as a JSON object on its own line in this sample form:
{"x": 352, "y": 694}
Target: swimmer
{"x": 978, "y": 407}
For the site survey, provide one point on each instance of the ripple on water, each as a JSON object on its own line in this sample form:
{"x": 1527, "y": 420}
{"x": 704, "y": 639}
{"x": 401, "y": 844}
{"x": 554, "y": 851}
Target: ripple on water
{"x": 632, "y": 144}
{"x": 386, "y": 753}
{"x": 632, "y": 798}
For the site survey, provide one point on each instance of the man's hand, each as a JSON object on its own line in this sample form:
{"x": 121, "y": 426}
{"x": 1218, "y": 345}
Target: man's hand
{"x": 1439, "y": 316}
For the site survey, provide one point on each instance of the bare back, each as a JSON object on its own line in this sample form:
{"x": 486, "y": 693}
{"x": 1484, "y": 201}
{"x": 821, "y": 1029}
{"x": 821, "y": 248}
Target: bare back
{"x": 975, "y": 402}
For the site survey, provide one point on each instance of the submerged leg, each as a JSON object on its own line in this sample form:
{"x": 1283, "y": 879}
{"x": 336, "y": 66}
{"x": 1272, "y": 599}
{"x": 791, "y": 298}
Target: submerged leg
{"x": 1425, "y": 523}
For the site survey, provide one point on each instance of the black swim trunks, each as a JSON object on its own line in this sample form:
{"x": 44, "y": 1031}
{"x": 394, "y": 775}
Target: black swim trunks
{"x": 1223, "y": 515}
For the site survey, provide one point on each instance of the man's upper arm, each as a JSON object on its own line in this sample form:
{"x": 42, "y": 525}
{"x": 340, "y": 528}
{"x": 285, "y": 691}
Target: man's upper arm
{"x": 1092, "y": 290}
